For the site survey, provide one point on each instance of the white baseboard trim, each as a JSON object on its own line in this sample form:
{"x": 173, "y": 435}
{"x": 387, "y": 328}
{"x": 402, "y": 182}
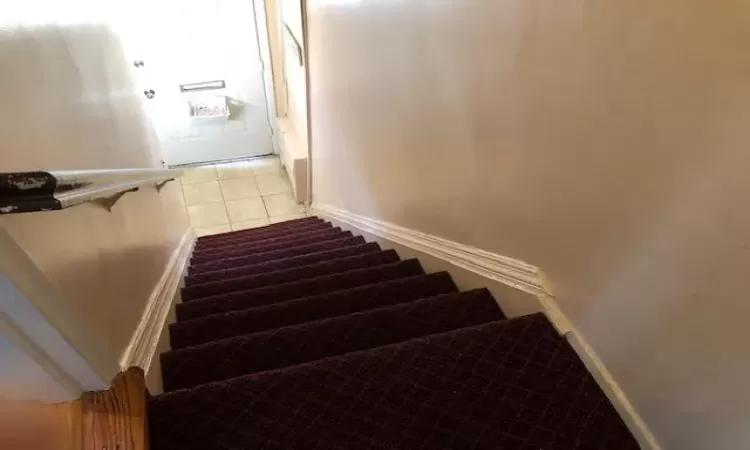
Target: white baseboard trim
{"x": 599, "y": 371}
{"x": 145, "y": 340}
{"x": 514, "y": 273}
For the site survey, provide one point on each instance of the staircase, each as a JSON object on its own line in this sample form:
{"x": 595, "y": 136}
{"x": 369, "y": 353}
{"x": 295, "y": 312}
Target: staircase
{"x": 302, "y": 336}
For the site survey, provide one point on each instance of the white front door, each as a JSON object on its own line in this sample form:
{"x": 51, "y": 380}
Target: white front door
{"x": 198, "y": 69}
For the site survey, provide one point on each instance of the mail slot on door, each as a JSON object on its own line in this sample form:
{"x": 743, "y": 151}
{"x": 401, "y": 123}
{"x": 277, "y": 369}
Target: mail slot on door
{"x": 204, "y": 86}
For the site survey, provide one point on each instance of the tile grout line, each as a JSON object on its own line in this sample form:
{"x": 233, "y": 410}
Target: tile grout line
{"x": 223, "y": 200}
{"x": 184, "y": 203}
{"x": 257, "y": 186}
{"x": 221, "y": 194}
{"x": 229, "y": 222}
{"x": 262, "y": 197}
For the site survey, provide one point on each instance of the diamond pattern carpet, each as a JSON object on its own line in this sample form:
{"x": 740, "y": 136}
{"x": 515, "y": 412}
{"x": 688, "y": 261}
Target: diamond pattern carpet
{"x": 256, "y": 258}
{"x": 268, "y": 245}
{"x": 299, "y": 335}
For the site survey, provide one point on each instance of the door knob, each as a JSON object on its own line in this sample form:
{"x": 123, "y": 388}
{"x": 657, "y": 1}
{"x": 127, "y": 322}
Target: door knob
{"x": 150, "y": 93}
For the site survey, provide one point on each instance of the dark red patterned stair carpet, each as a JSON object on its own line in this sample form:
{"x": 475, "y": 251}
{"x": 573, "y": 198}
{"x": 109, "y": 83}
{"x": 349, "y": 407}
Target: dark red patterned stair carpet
{"x": 301, "y": 336}
{"x": 213, "y": 253}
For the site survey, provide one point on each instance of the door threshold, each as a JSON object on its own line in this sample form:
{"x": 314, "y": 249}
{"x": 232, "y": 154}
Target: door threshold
{"x": 220, "y": 161}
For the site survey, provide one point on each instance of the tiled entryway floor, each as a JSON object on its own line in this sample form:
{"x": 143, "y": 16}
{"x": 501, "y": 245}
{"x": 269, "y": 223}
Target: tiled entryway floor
{"x": 238, "y": 195}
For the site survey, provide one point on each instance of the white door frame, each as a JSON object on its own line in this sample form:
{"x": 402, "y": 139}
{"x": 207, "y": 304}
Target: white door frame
{"x": 261, "y": 28}
{"x": 280, "y": 87}
{"x": 306, "y": 37}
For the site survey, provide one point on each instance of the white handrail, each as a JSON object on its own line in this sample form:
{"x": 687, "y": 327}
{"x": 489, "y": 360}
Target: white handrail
{"x": 25, "y": 192}
{"x": 110, "y": 176}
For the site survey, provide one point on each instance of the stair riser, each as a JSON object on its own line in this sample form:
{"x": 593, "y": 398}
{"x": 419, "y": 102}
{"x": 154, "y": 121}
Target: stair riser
{"x": 242, "y": 250}
{"x": 473, "y": 387}
{"x": 289, "y": 291}
{"x": 306, "y": 309}
{"x": 302, "y": 273}
{"x": 259, "y": 233}
{"x": 279, "y": 348}
{"x": 264, "y": 229}
{"x": 251, "y": 243}
{"x": 282, "y": 264}
{"x": 275, "y": 255}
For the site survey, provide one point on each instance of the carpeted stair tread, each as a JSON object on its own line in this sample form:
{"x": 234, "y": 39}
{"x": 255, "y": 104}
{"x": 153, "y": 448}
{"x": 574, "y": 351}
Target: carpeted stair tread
{"x": 250, "y": 244}
{"x": 289, "y": 275}
{"x": 282, "y": 227}
{"x": 273, "y": 349}
{"x": 268, "y": 236}
{"x": 512, "y": 384}
{"x": 266, "y": 240}
{"x": 304, "y": 288}
{"x": 291, "y": 337}
{"x": 281, "y": 264}
{"x": 273, "y": 234}
{"x": 257, "y": 258}
{"x": 253, "y": 248}
{"x": 306, "y": 309}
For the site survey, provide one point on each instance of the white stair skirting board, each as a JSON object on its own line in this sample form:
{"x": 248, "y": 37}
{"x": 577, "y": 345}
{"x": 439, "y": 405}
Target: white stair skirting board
{"x": 514, "y": 273}
{"x": 599, "y": 371}
{"x": 145, "y": 340}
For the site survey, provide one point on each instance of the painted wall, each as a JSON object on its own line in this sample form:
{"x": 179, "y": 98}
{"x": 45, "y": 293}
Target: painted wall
{"x": 69, "y": 103}
{"x": 605, "y": 142}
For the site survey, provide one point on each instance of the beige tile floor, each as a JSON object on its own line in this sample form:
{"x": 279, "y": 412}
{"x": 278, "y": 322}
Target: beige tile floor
{"x": 238, "y": 195}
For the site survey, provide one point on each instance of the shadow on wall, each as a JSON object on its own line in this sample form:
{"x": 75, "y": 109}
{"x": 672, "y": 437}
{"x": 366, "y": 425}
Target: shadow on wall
{"x": 105, "y": 265}
{"x": 121, "y": 300}
{"x": 69, "y": 102}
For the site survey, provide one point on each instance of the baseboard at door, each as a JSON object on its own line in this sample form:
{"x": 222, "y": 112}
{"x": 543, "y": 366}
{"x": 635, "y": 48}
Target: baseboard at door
{"x": 148, "y": 335}
{"x": 113, "y": 417}
{"x": 294, "y": 157}
{"x": 519, "y": 288}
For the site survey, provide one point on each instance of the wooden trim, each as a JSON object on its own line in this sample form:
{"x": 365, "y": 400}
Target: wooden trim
{"x": 145, "y": 340}
{"x": 115, "y": 419}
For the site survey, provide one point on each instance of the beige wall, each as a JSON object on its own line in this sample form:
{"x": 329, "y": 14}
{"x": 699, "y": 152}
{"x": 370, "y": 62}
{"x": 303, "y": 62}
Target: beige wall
{"x": 605, "y": 142}
{"x": 68, "y": 103}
